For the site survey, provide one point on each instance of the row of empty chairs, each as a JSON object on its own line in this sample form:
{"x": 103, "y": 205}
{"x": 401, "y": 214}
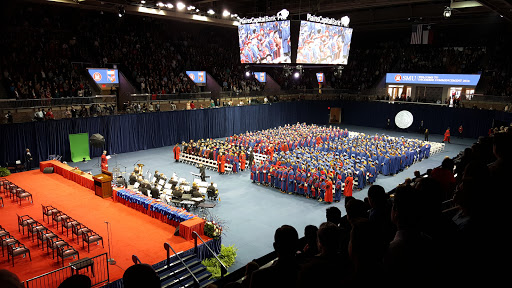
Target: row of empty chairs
{"x": 14, "y": 192}
{"x": 67, "y": 222}
{"x": 13, "y": 246}
{"x": 37, "y": 230}
{"x": 208, "y": 163}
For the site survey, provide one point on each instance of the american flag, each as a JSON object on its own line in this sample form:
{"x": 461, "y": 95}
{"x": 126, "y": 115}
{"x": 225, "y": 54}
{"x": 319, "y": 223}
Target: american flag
{"x": 420, "y": 35}
{"x": 416, "y": 34}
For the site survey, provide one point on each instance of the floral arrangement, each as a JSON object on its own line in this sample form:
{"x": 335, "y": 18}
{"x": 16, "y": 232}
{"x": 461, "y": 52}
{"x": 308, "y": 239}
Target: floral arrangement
{"x": 212, "y": 229}
{"x": 214, "y": 226}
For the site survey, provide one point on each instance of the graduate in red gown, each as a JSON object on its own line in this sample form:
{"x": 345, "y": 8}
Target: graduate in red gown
{"x": 219, "y": 158}
{"x": 176, "y": 151}
{"x": 242, "y": 161}
{"x": 349, "y": 182}
{"x": 447, "y": 135}
{"x": 104, "y": 161}
{"x": 222, "y": 163}
{"x": 328, "y": 190}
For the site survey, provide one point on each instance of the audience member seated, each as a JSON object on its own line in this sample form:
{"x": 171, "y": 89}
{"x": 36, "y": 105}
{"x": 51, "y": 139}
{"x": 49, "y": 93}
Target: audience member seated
{"x": 317, "y": 271}
{"x": 283, "y": 272}
{"x": 76, "y": 281}
{"x": 141, "y": 275}
{"x": 249, "y": 269}
{"x": 9, "y": 280}
{"x": 311, "y": 248}
{"x": 410, "y": 253}
{"x": 380, "y": 211}
{"x": 444, "y": 175}
{"x": 366, "y": 250}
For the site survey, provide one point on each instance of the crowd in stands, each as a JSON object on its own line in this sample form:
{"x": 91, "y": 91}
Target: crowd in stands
{"x": 47, "y": 50}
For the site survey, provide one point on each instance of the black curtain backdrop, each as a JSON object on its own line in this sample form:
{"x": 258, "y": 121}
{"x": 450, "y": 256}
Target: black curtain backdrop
{"x": 134, "y": 132}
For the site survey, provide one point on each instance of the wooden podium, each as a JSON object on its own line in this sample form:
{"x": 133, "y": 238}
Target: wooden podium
{"x": 102, "y": 184}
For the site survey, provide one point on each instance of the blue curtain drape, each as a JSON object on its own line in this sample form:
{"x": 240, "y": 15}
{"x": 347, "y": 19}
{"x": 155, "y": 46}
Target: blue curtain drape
{"x": 134, "y": 132}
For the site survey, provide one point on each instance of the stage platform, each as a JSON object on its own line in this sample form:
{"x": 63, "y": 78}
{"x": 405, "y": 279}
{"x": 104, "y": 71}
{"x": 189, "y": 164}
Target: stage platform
{"x": 133, "y": 233}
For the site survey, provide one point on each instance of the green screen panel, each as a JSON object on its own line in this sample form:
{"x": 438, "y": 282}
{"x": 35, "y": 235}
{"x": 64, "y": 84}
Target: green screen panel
{"x": 79, "y": 145}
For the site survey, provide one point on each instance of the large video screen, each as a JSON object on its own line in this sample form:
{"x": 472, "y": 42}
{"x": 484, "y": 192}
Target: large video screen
{"x": 267, "y": 42}
{"x": 323, "y": 43}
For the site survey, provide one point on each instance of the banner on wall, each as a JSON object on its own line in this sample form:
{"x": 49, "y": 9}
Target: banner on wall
{"x": 198, "y": 77}
{"x": 433, "y": 79}
{"x": 261, "y": 76}
{"x": 104, "y": 76}
{"x": 320, "y": 77}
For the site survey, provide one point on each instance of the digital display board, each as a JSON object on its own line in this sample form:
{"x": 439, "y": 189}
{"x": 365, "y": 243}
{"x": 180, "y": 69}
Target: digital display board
{"x": 198, "y": 77}
{"x": 323, "y": 43}
{"x": 260, "y": 76}
{"x": 104, "y": 76}
{"x": 433, "y": 79}
{"x": 267, "y": 42}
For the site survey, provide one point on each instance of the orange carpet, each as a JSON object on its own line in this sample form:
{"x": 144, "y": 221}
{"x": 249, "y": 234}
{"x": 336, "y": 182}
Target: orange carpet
{"x": 133, "y": 233}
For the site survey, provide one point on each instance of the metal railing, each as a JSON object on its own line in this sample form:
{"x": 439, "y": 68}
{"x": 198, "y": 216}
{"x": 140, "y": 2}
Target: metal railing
{"x": 54, "y": 102}
{"x": 223, "y": 269}
{"x": 168, "y": 246}
{"x": 98, "y": 273}
{"x": 136, "y": 259}
{"x": 168, "y": 97}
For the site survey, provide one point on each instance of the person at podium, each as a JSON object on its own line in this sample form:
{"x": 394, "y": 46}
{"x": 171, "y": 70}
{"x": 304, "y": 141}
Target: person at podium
{"x": 104, "y": 161}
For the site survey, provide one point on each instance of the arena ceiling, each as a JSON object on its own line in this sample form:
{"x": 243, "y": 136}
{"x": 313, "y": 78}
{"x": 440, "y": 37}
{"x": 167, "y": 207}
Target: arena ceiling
{"x": 364, "y": 14}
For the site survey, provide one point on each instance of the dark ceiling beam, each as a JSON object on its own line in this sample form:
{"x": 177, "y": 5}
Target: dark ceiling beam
{"x": 493, "y": 5}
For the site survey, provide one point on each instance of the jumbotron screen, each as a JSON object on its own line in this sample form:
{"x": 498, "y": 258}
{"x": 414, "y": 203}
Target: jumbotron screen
{"x": 267, "y": 42}
{"x": 323, "y": 43}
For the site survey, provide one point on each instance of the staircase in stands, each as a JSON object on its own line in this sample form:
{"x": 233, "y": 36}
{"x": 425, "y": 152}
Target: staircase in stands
{"x": 176, "y": 275}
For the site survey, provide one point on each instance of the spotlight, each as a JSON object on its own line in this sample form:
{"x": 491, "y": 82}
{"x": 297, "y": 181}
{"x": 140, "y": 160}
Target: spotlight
{"x": 447, "y": 12}
{"x": 169, "y": 5}
{"x": 226, "y": 13}
{"x": 121, "y": 11}
{"x": 191, "y": 8}
{"x": 211, "y": 12}
{"x": 160, "y": 4}
{"x": 247, "y": 74}
{"x": 180, "y": 6}
{"x": 296, "y": 74}
{"x": 142, "y": 2}
{"x": 234, "y": 15}
{"x": 345, "y": 21}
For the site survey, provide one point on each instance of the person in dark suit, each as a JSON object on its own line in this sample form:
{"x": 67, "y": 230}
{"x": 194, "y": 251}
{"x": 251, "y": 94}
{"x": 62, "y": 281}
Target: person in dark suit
{"x": 284, "y": 271}
{"x": 211, "y": 191}
{"x": 155, "y": 193}
{"x": 133, "y": 178}
{"x": 202, "y": 172}
{"x": 28, "y": 160}
{"x": 251, "y": 158}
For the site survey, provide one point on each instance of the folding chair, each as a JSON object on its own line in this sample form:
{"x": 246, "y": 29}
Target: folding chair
{"x": 91, "y": 237}
{"x": 24, "y": 221}
{"x": 16, "y": 249}
{"x": 48, "y": 212}
{"x": 22, "y": 194}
